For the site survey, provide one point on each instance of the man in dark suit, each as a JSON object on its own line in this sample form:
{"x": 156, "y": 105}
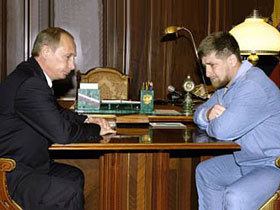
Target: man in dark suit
{"x": 31, "y": 120}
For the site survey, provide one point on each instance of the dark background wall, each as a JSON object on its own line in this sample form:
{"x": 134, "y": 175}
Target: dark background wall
{"x": 123, "y": 34}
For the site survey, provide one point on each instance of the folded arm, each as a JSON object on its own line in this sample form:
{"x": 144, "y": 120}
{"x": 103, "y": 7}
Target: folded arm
{"x": 243, "y": 111}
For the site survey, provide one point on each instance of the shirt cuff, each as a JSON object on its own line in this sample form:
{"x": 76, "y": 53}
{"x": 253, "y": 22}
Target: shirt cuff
{"x": 202, "y": 117}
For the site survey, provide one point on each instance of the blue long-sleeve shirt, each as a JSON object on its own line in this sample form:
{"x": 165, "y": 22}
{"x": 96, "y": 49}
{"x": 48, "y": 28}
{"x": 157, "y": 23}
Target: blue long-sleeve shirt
{"x": 251, "y": 118}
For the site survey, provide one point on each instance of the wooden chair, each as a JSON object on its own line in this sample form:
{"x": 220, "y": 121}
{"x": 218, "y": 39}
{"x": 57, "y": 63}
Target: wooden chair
{"x": 274, "y": 202}
{"x": 112, "y": 83}
{"x": 6, "y": 203}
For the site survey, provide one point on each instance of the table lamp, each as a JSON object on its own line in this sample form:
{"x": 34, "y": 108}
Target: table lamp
{"x": 256, "y": 37}
{"x": 172, "y": 33}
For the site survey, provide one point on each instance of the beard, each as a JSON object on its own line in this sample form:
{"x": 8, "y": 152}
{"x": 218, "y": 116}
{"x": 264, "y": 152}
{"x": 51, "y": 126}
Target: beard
{"x": 217, "y": 83}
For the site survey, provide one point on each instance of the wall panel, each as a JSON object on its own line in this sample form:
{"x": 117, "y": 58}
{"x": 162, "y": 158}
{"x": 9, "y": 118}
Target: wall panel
{"x": 134, "y": 28}
{"x": 16, "y": 33}
{"x": 81, "y": 18}
{"x": 24, "y": 19}
{"x": 3, "y": 40}
{"x": 125, "y": 34}
{"x": 146, "y": 58}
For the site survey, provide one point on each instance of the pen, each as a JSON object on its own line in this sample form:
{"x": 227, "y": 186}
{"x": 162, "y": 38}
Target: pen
{"x": 151, "y": 86}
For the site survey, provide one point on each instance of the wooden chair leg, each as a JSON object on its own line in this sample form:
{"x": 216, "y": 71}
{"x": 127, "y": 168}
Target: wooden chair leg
{"x": 6, "y": 202}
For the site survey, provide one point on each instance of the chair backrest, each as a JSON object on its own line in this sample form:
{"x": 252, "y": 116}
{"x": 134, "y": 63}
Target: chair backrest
{"x": 112, "y": 83}
{"x": 6, "y": 202}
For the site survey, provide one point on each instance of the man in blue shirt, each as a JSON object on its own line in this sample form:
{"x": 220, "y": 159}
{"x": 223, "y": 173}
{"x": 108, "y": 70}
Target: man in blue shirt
{"x": 245, "y": 108}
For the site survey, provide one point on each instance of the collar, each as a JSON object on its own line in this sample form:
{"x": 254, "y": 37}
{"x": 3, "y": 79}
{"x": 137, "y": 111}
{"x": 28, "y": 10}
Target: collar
{"x": 245, "y": 66}
{"x": 40, "y": 71}
{"x": 49, "y": 81}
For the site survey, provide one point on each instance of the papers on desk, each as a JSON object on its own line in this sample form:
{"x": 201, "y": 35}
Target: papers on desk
{"x": 168, "y": 125}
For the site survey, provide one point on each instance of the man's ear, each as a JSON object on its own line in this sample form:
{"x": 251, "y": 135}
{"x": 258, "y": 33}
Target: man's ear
{"x": 232, "y": 60}
{"x": 45, "y": 51}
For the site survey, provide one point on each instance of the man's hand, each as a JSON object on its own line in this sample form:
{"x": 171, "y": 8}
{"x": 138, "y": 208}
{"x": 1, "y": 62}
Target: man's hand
{"x": 104, "y": 125}
{"x": 107, "y": 138}
{"x": 214, "y": 112}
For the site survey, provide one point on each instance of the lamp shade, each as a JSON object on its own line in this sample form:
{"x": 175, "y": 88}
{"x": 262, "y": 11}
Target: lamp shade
{"x": 255, "y": 36}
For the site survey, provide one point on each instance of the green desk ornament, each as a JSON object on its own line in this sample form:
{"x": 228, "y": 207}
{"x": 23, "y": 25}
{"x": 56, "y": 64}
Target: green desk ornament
{"x": 188, "y": 86}
{"x": 147, "y": 98}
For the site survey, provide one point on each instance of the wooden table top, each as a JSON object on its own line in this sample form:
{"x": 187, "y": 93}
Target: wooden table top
{"x": 148, "y": 138}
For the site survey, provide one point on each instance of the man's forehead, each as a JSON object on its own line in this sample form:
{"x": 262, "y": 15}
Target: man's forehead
{"x": 209, "y": 55}
{"x": 65, "y": 39}
{"x": 67, "y": 44}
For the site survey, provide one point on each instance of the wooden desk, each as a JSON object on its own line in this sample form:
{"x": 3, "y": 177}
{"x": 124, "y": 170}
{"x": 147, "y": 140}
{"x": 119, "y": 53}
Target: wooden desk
{"x": 142, "y": 168}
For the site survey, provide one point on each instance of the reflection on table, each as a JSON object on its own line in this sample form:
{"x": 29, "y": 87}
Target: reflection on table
{"x": 147, "y": 138}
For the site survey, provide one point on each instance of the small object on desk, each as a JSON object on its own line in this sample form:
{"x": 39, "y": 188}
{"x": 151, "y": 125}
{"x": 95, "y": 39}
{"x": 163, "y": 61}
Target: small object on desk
{"x": 188, "y": 102}
{"x": 88, "y": 96}
{"x": 168, "y": 125}
{"x": 147, "y": 138}
{"x": 120, "y": 105}
{"x": 119, "y": 102}
{"x": 147, "y": 98}
{"x": 188, "y": 105}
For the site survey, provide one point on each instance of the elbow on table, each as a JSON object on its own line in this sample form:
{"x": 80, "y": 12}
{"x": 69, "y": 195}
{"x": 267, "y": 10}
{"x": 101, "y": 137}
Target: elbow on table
{"x": 220, "y": 134}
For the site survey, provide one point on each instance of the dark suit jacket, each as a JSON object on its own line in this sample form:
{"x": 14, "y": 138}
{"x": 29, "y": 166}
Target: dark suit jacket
{"x": 31, "y": 120}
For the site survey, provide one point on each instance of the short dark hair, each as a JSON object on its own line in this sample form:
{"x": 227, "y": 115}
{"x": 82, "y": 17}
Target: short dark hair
{"x": 51, "y": 37}
{"x": 222, "y": 43}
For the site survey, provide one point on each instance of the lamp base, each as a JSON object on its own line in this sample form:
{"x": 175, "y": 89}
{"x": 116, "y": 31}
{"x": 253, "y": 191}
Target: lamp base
{"x": 253, "y": 58}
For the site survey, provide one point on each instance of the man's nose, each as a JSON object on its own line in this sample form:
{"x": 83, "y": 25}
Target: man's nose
{"x": 72, "y": 64}
{"x": 208, "y": 71}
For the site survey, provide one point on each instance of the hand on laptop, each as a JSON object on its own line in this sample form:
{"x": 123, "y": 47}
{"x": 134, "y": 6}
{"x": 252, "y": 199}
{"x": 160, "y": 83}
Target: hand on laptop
{"x": 105, "y": 126}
